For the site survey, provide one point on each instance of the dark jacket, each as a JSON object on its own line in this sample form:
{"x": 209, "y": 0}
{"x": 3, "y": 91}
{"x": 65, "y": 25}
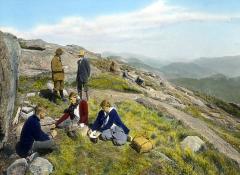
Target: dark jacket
{"x": 83, "y": 113}
{"x": 31, "y": 132}
{"x": 114, "y": 118}
{"x": 83, "y": 72}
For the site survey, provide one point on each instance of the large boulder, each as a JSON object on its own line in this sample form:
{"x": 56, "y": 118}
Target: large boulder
{"x": 36, "y": 44}
{"x": 9, "y": 59}
{"x": 19, "y": 167}
{"x": 40, "y": 166}
{"x": 37, "y": 55}
{"x": 193, "y": 142}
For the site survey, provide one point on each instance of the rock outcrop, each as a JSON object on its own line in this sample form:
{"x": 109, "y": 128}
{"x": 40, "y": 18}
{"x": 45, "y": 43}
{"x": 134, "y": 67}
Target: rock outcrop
{"x": 19, "y": 167}
{"x": 40, "y": 166}
{"x": 9, "y": 59}
{"x": 37, "y": 55}
{"x": 193, "y": 142}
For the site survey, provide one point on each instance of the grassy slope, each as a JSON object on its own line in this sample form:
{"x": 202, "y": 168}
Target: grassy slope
{"x": 82, "y": 156}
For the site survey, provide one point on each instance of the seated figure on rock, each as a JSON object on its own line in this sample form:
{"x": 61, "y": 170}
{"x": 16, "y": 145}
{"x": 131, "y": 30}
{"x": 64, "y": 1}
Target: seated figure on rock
{"x": 32, "y": 138}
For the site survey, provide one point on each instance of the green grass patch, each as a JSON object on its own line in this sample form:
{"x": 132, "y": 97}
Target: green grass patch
{"x": 32, "y": 84}
{"x": 81, "y": 156}
{"x": 110, "y": 81}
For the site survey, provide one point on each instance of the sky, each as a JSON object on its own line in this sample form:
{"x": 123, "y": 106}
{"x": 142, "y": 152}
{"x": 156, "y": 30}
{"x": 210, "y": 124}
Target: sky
{"x": 172, "y": 30}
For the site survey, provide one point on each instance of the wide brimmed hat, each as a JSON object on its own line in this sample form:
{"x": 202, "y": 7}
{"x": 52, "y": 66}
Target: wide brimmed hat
{"x": 81, "y": 53}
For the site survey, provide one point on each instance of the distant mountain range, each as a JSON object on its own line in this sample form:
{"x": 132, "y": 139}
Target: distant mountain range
{"x": 199, "y": 68}
{"x": 219, "y": 86}
{"x": 137, "y": 61}
{"x": 203, "y": 67}
{"x": 218, "y": 76}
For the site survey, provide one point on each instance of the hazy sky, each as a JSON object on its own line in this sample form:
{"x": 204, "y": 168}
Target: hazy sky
{"x": 164, "y": 29}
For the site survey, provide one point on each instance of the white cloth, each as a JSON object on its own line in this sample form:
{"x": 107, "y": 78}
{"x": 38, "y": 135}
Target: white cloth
{"x": 76, "y": 113}
{"x": 107, "y": 117}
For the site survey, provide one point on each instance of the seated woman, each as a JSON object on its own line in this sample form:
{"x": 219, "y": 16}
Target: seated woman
{"x": 76, "y": 115}
{"x": 109, "y": 124}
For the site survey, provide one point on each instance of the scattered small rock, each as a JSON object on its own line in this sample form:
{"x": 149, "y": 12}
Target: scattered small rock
{"x": 46, "y": 124}
{"x": 27, "y": 102}
{"x": 32, "y": 94}
{"x": 19, "y": 167}
{"x": 65, "y": 93}
{"x": 50, "y": 86}
{"x": 146, "y": 103}
{"x": 193, "y": 142}
{"x": 18, "y": 131}
{"x": 158, "y": 155}
{"x": 41, "y": 166}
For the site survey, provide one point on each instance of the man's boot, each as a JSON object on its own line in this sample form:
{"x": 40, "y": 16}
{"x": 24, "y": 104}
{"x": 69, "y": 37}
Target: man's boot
{"x": 62, "y": 96}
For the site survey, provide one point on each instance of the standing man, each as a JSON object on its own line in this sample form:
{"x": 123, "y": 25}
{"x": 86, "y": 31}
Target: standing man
{"x": 57, "y": 75}
{"x": 83, "y": 73}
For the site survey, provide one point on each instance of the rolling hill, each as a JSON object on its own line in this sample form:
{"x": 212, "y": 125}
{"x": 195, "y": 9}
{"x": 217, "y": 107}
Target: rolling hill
{"x": 218, "y": 85}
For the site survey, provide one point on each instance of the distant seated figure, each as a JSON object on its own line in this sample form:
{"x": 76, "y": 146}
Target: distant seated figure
{"x": 113, "y": 67}
{"x": 32, "y": 138}
{"x": 76, "y": 115}
{"x": 125, "y": 74}
{"x": 109, "y": 124}
{"x": 139, "y": 81}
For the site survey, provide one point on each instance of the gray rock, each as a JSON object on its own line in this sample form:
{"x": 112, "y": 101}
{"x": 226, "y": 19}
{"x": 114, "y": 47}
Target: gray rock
{"x": 50, "y": 87}
{"x": 46, "y": 124}
{"x": 47, "y": 121}
{"x": 197, "y": 102}
{"x": 193, "y": 142}
{"x": 146, "y": 103}
{"x": 32, "y": 94}
{"x": 159, "y": 155}
{"x": 19, "y": 167}
{"x": 41, "y": 166}
{"x": 36, "y": 44}
{"x": 18, "y": 130}
{"x": 26, "y": 102}
{"x": 65, "y": 93}
{"x": 9, "y": 60}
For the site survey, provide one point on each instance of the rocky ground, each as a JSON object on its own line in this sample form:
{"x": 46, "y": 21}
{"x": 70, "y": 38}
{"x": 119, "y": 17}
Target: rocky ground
{"x": 191, "y": 134}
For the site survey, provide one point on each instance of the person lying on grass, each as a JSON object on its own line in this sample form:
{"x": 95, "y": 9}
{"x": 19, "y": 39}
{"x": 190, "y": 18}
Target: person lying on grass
{"x": 75, "y": 116}
{"x": 109, "y": 126}
{"x": 32, "y": 138}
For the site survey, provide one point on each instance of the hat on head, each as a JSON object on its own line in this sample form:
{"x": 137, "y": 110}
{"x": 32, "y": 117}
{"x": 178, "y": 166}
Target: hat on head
{"x": 81, "y": 53}
{"x": 59, "y": 51}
